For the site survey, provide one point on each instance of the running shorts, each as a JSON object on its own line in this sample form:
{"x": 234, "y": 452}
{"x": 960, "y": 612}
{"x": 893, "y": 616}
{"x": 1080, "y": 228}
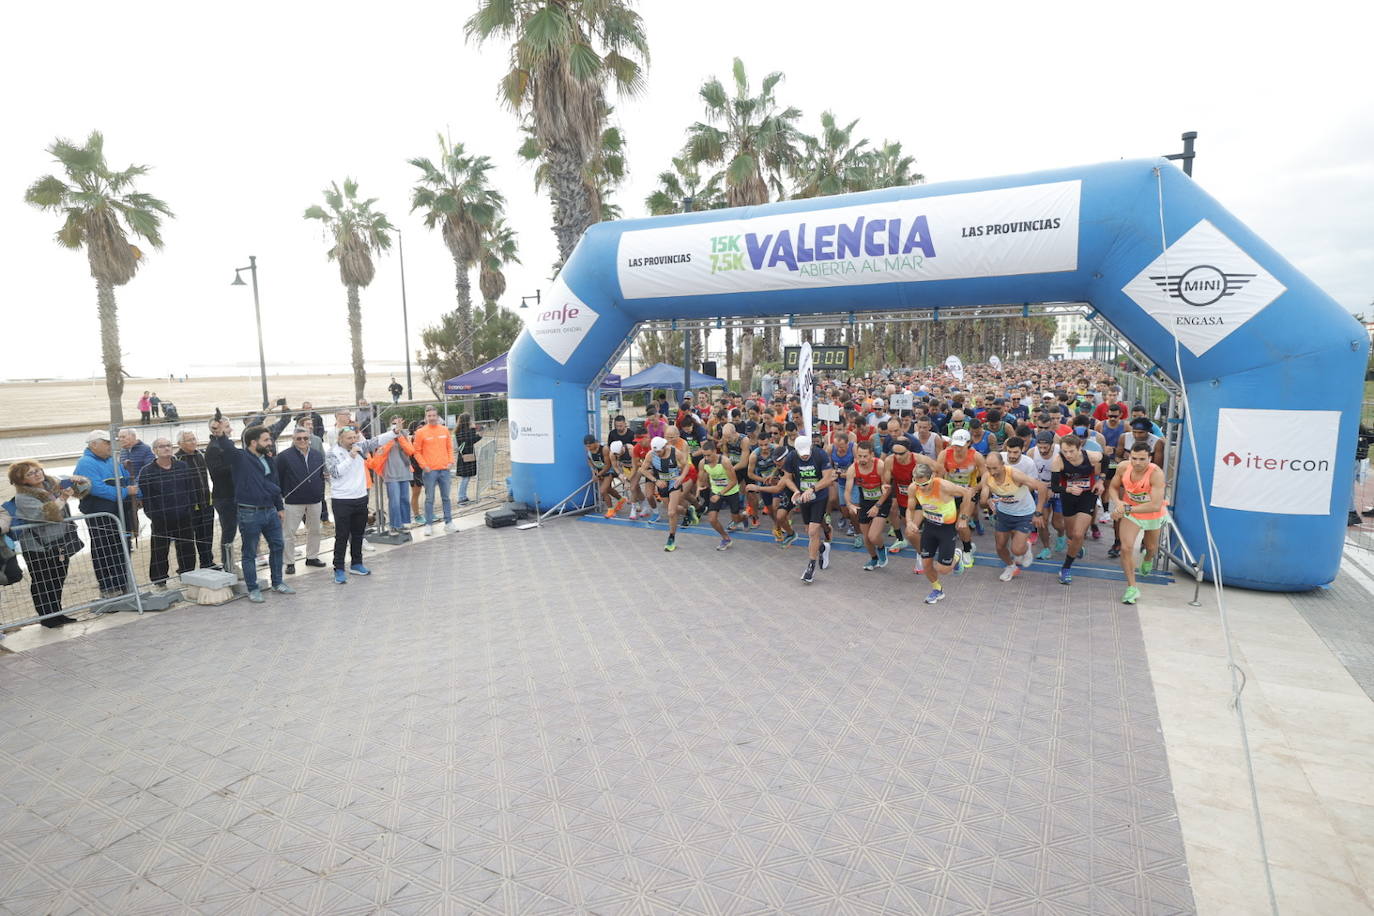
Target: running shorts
{"x": 729, "y": 501}
{"x": 1082, "y": 504}
{"x": 938, "y": 541}
{"x": 884, "y": 510}
{"x": 1022, "y": 523}
{"x": 813, "y": 512}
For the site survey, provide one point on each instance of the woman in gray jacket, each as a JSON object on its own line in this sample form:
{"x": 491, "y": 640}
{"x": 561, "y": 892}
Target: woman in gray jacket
{"x": 45, "y": 534}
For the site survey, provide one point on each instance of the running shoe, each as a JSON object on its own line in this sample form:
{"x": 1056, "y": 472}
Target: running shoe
{"x": 1131, "y": 595}
{"x": 734, "y": 526}
{"x": 692, "y": 517}
{"x": 1097, "y": 532}
{"x": 810, "y": 575}
{"x": 1082, "y": 552}
{"x": 858, "y": 541}
{"x": 777, "y": 535}
{"x": 672, "y": 543}
{"x": 825, "y": 555}
{"x": 340, "y": 577}
{"x": 1045, "y": 554}
{"x": 359, "y": 569}
{"x": 1147, "y": 566}
{"x": 1009, "y": 573}
{"x": 1065, "y": 577}
{"x": 968, "y": 556}
{"x": 724, "y": 544}
{"x": 919, "y": 569}
{"x": 936, "y": 594}
{"x": 1060, "y": 543}
{"x": 789, "y": 539}
{"x": 1025, "y": 559}
{"x": 1114, "y": 551}
{"x": 1034, "y": 536}
{"x": 871, "y": 565}
{"x": 897, "y": 546}
{"x": 753, "y": 521}
{"x": 615, "y": 510}
{"x": 658, "y": 517}
{"x": 958, "y": 561}
{"x": 634, "y": 513}
{"x": 882, "y": 558}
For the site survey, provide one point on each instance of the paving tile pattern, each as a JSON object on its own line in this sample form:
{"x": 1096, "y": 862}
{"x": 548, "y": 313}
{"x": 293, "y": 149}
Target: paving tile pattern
{"x": 569, "y": 720}
{"x": 1343, "y": 616}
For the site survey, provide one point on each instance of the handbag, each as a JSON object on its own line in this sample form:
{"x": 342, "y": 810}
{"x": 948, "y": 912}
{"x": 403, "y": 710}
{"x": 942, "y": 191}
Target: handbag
{"x": 10, "y": 570}
{"x": 71, "y": 543}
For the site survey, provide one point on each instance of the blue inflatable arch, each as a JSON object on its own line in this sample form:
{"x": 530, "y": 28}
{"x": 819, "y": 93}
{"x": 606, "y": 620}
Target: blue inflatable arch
{"x": 1270, "y": 363}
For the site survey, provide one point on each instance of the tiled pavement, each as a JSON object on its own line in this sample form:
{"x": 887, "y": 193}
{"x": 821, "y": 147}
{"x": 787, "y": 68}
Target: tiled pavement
{"x": 570, "y": 720}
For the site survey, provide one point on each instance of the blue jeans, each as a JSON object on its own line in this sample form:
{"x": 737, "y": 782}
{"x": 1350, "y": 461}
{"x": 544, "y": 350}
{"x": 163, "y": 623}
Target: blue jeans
{"x": 398, "y": 503}
{"x": 463, "y": 488}
{"x": 442, "y": 478}
{"x": 254, "y": 522}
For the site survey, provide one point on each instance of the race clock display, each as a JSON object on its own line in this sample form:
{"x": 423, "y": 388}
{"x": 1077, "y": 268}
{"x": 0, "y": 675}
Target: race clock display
{"x": 821, "y": 357}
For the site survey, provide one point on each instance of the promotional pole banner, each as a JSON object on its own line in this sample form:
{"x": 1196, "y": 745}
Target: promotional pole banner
{"x": 531, "y": 429}
{"x": 805, "y": 381}
{"x": 1027, "y": 230}
{"x": 1258, "y": 471}
{"x": 995, "y": 363}
{"x": 955, "y": 365}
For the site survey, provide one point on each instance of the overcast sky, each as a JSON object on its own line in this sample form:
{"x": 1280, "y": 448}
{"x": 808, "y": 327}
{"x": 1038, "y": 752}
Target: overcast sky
{"x": 247, "y": 114}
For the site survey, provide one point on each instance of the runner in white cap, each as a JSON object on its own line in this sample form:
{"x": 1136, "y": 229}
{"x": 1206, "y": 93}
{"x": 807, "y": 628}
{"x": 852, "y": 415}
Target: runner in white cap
{"x": 807, "y": 473}
{"x": 664, "y": 466}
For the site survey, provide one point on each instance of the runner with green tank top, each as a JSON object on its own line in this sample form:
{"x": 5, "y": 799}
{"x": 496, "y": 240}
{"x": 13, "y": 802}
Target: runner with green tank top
{"x": 724, "y": 490}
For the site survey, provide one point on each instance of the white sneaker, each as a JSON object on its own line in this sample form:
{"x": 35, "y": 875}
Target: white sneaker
{"x": 1009, "y": 573}
{"x": 825, "y": 555}
{"x": 1026, "y": 559}
{"x": 429, "y": 531}
{"x": 450, "y": 527}
{"x": 368, "y": 547}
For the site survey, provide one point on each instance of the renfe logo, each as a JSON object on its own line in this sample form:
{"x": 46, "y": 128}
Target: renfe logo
{"x": 559, "y": 330}
{"x": 560, "y": 316}
{"x": 1247, "y": 475}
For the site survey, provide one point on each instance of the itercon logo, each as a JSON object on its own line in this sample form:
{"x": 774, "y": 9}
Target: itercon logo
{"x": 1202, "y": 285}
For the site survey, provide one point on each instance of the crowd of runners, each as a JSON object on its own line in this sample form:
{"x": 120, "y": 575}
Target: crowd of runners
{"x": 1041, "y": 455}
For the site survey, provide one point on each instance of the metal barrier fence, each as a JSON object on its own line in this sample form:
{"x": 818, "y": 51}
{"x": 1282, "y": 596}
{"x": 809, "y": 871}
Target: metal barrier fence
{"x": 69, "y": 569}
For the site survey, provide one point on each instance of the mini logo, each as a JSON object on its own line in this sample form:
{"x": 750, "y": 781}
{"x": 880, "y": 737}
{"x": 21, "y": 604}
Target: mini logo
{"x": 515, "y": 432}
{"x": 1231, "y": 459}
{"x": 1203, "y": 288}
{"x": 1202, "y": 285}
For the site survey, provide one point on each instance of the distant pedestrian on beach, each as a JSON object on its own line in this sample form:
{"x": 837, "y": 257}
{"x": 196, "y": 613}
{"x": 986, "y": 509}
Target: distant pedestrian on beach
{"x": 396, "y": 390}
{"x": 145, "y": 407}
{"x": 155, "y": 404}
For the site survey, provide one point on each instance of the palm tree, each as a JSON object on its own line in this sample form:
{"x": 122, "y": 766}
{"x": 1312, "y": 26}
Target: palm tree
{"x": 495, "y": 250}
{"x": 604, "y": 172}
{"x": 832, "y": 163}
{"x": 355, "y": 231}
{"x": 1072, "y": 342}
{"x": 756, "y": 141}
{"x": 100, "y": 208}
{"x": 888, "y": 167}
{"x": 682, "y": 182}
{"x": 456, "y": 197}
{"x": 564, "y": 54}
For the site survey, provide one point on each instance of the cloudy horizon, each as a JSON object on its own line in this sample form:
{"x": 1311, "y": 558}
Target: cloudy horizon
{"x": 245, "y": 121}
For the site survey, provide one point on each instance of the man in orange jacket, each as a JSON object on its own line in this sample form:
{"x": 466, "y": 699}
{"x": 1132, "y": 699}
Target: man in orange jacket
{"x": 434, "y": 453}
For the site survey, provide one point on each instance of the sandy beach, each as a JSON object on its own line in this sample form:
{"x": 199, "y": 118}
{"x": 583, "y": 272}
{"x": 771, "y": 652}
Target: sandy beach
{"x": 84, "y": 403}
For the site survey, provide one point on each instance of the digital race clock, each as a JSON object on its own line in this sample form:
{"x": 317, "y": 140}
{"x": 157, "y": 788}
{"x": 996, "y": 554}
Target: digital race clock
{"x": 821, "y": 357}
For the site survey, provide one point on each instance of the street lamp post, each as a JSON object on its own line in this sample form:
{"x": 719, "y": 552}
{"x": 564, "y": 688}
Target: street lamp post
{"x": 405, "y": 312}
{"x": 257, "y": 313}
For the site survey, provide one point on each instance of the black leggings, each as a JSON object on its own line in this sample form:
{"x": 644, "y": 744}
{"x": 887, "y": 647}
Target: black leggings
{"x": 350, "y": 521}
{"x": 47, "y": 578}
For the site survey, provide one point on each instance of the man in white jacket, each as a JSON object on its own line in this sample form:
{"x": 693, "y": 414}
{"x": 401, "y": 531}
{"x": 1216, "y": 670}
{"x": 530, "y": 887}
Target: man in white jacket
{"x": 345, "y": 463}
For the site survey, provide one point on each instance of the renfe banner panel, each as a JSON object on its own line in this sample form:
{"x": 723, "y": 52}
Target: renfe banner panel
{"x": 1011, "y": 231}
